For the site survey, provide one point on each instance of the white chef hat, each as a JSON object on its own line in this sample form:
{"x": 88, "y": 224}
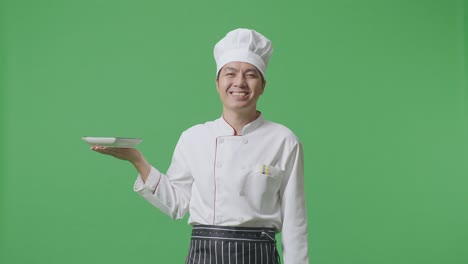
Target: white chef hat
{"x": 244, "y": 45}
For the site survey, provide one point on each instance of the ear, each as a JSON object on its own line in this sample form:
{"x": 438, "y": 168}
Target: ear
{"x": 263, "y": 86}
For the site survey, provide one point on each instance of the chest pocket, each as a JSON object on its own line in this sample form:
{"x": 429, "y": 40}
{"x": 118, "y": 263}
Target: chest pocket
{"x": 262, "y": 187}
{"x": 264, "y": 179}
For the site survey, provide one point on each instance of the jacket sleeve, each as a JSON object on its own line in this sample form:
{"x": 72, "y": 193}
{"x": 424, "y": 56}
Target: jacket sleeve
{"x": 169, "y": 192}
{"x": 293, "y": 210}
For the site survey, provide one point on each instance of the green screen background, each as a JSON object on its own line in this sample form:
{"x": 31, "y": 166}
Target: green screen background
{"x": 375, "y": 90}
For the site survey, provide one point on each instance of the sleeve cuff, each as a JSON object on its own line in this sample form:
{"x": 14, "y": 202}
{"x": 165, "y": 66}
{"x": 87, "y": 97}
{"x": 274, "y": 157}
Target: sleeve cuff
{"x": 151, "y": 183}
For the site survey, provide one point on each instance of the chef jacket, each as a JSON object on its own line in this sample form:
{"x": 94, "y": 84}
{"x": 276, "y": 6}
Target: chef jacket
{"x": 255, "y": 179}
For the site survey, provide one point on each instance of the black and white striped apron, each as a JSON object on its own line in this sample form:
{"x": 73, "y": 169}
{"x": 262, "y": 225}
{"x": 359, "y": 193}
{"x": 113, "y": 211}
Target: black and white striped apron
{"x": 232, "y": 245}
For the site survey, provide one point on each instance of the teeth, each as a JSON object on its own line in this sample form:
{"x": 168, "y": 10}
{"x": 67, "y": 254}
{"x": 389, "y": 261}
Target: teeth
{"x": 235, "y": 93}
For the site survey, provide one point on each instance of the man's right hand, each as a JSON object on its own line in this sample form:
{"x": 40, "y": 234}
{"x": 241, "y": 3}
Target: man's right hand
{"x": 132, "y": 155}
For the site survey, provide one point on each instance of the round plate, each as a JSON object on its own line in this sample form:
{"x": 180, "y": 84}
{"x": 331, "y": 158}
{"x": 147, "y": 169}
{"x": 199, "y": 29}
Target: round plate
{"x": 116, "y": 142}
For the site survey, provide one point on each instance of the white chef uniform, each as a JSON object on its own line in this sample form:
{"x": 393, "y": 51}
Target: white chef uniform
{"x": 254, "y": 180}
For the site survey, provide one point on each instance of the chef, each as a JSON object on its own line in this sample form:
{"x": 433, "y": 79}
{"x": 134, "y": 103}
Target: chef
{"x": 240, "y": 177}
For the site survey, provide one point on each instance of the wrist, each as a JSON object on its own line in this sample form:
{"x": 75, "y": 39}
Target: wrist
{"x": 143, "y": 168}
{"x": 139, "y": 162}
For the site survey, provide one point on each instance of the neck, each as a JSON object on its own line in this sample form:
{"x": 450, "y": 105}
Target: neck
{"x": 238, "y": 120}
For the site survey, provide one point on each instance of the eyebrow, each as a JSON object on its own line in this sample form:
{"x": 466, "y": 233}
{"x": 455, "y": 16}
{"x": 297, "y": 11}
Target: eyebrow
{"x": 248, "y": 70}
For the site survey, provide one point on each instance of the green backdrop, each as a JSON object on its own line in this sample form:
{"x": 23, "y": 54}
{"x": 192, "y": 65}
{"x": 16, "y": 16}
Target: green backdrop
{"x": 375, "y": 90}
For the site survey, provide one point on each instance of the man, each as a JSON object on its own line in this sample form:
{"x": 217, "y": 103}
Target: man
{"x": 240, "y": 176}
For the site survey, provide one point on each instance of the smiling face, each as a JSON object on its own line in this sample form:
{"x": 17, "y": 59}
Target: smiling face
{"x": 239, "y": 85}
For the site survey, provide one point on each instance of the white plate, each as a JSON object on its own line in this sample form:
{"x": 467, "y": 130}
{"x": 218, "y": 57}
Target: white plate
{"x": 116, "y": 142}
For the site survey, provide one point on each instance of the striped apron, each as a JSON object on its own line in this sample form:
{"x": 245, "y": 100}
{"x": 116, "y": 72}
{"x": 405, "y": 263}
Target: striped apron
{"x": 232, "y": 245}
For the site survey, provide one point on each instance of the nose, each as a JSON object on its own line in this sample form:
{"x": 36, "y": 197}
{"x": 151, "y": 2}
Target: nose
{"x": 239, "y": 81}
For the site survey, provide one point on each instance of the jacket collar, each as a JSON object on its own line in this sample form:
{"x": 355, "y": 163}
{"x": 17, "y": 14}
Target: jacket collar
{"x": 227, "y": 129}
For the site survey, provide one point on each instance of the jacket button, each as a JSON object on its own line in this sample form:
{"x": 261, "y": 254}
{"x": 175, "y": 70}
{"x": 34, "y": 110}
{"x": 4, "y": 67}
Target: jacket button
{"x": 245, "y": 141}
{"x": 221, "y": 141}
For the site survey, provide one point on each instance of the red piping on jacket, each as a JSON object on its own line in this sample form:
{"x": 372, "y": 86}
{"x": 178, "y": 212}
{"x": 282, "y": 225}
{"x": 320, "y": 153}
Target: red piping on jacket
{"x": 157, "y": 184}
{"x": 214, "y": 179}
